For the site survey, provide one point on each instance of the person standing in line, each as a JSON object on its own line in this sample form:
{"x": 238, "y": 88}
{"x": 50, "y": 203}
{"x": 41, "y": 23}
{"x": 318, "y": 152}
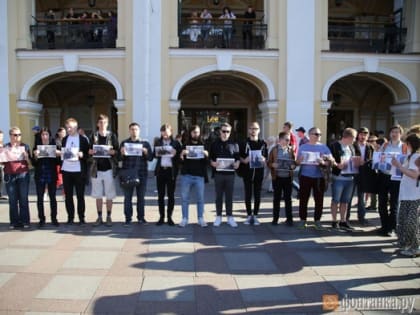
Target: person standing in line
{"x": 16, "y": 177}
{"x": 139, "y": 163}
{"x": 224, "y": 176}
{"x": 409, "y": 198}
{"x": 311, "y": 177}
{"x": 301, "y": 135}
{"x": 193, "y": 176}
{"x": 254, "y": 172}
{"x": 387, "y": 186}
{"x": 364, "y": 180}
{"x": 75, "y": 149}
{"x": 2, "y": 197}
{"x": 166, "y": 172}
{"x": 104, "y": 169}
{"x": 46, "y": 177}
{"x": 282, "y": 175}
{"x": 288, "y": 127}
{"x": 344, "y": 167}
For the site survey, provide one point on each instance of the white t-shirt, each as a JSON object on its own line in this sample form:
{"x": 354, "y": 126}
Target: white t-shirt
{"x": 72, "y": 166}
{"x": 408, "y": 189}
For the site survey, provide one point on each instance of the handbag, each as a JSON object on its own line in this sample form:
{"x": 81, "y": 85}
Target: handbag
{"x": 129, "y": 177}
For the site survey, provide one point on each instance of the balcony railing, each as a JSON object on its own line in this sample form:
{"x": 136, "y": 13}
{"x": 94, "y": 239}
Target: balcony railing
{"x": 215, "y": 34}
{"x": 350, "y": 36}
{"x": 75, "y": 34}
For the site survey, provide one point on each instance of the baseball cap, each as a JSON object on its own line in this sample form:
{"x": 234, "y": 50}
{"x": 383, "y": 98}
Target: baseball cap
{"x": 301, "y": 129}
{"x": 36, "y": 128}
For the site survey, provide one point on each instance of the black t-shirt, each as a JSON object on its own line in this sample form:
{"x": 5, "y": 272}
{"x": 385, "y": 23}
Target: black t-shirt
{"x": 103, "y": 164}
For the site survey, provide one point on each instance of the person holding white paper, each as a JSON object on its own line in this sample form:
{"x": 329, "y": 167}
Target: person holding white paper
{"x": 253, "y": 153}
{"x": 224, "y": 149}
{"x": 46, "y": 177}
{"x": 16, "y": 177}
{"x": 166, "y": 172}
{"x": 103, "y": 170}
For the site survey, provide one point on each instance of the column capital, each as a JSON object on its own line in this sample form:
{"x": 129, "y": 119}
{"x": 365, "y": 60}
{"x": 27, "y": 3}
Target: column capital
{"x": 174, "y": 106}
{"x": 325, "y": 106}
{"x": 25, "y": 106}
{"x": 270, "y": 106}
{"x": 120, "y": 106}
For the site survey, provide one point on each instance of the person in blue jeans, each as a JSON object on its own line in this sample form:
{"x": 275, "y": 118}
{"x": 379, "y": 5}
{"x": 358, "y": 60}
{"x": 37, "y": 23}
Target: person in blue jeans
{"x": 193, "y": 174}
{"x": 16, "y": 177}
{"x": 135, "y": 159}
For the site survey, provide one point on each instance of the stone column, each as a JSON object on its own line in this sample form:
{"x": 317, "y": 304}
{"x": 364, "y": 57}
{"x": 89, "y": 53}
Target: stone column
{"x": 269, "y": 113}
{"x": 406, "y": 114}
{"x": 412, "y": 13}
{"x": 28, "y": 116}
{"x": 174, "y": 106}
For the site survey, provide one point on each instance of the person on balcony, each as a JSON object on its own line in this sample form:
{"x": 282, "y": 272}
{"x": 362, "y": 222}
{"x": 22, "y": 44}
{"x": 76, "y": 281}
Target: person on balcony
{"x": 194, "y": 30}
{"x": 247, "y": 27}
{"x": 205, "y": 25}
{"x": 227, "y": 16}
{"x": 50, "y": 15}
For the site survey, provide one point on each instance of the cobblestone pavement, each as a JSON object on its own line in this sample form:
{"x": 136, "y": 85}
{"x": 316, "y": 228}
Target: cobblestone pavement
{"x": 149, "y": 269}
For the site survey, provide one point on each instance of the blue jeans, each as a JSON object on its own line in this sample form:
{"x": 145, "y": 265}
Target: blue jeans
{"x": 17, "y": 186}
{"x": 342, "y": 190}
{"x": 128, "y": 203}
{"x": 188, "y": 183}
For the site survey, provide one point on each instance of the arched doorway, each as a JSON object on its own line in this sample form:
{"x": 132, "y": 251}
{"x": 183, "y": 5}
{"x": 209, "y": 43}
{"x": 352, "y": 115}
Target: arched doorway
{"x": 214, "y": 98}
{"x": 364, "y": 99}
{"x": 77, "y": 94}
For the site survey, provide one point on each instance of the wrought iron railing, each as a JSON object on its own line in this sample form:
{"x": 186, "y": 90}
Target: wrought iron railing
{"x": 76, "y": 34}
{"x": 351, "y": 36}
{"x": 215, "y": 33}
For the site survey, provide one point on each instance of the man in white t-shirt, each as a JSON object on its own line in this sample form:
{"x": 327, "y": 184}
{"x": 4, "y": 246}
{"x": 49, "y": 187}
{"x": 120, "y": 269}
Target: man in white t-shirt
{"x": 75, "y": 150}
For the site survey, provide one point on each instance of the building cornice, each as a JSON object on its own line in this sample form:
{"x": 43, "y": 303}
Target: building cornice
{"x": 200, "y": 53}
{"x": 60, "y": 54}
{"x": 383, "y": 58}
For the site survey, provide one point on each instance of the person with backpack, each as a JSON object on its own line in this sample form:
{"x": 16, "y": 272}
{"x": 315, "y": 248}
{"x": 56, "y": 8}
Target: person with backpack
{"x": 282, "y": 162}
{"x": 390, "y": 187}
{"x": 253, "y": 155}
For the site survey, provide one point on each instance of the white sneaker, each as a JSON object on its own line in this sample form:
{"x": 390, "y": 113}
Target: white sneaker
{"x": 256, "y": 221}
{"x": 248, "y": 220}
{"x": 231, "y": 222}
{"x": 183, "y": 223}
{"x": 218, "y": 221}
{"x": 201, "y": 222}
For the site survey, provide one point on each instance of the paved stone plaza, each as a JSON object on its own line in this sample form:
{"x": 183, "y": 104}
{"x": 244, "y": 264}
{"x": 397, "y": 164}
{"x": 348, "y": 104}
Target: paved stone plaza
{"x": 149, "y": 269}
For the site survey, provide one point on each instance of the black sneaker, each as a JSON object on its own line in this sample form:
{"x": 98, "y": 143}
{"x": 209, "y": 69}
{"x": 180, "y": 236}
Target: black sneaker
{"x": 142, "y": 221}
{"x": 289, "y": 222}
{"x": 70, "y": 222}
{"x": 171, "y": 222}
{"x": 161, "y": 221}
{"x": 345, "y": 226}
{"x": 41, "y": 224}
{"x": 55, "y": 223}
{"x": 334, "y": 225}
{"x": 82, "y": 222}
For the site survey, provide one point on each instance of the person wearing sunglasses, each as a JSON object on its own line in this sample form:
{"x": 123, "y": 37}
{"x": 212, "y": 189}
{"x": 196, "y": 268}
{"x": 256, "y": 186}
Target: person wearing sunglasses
{"x": 16, "y": 177}
{"x": 311, "y": 176}
{"x": 224, "y": 157}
